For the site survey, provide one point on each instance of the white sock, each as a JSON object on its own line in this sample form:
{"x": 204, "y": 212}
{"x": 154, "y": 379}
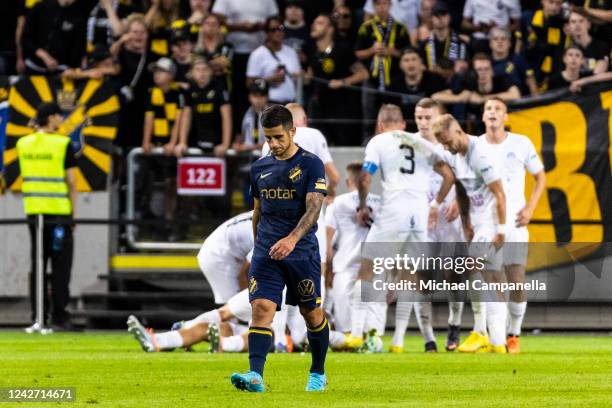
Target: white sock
{"x": 232, "y": 344}
{"x": 496, "y": 322}
{"x": 358, "y": 311}
{"x": 480, "y": 317}
{"x": 516, "y": 313}
{"x": 336, "y": 339}
{"x": 376, "y": 317}
{"x": 169, "y": 340}
{"x": 423, "y": 313}
{"x": 402, "y": 318}
{"x": 279, "y": 323}
{"x": 455, "y": 311}
{"x": 211, "y": 316}
{"x": 296, "y": 325}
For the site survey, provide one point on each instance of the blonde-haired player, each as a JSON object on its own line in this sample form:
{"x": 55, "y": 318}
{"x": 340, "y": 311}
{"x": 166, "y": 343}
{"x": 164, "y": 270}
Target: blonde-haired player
{"x": 516, "y": 153}
{"x": 473, "y": 167}
{"x": 443, "y": 235}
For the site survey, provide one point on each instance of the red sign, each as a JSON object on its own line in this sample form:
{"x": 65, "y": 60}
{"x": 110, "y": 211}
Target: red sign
{"x": 201, "y": 176}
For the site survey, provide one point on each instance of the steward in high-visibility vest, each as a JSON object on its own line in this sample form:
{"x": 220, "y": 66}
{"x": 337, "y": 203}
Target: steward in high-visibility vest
{"x": 46, "y": 162}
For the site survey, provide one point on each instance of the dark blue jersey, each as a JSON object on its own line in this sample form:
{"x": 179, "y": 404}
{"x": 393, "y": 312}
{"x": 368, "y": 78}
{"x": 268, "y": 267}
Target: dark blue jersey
{"x": 281, "y": 187}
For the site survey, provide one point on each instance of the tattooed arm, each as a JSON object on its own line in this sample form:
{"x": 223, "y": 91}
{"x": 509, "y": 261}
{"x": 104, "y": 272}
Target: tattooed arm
{"x": 286, "y": 245}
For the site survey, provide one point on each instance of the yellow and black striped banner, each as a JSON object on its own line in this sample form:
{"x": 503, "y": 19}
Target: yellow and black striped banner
{"x": 91, "y": 117}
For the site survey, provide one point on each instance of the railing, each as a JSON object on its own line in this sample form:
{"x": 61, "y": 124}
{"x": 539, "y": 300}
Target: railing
{"x": 130, "y": 207}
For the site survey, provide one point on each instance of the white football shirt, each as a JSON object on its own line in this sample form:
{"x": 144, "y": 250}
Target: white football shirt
{"x": 233, "y": 239}
{"x": 515, "y": 154}
{"x": 405, "y": 161}
{"x": 476, "y": 171}
{"x": 309, "y": 139}
{"x": 341, "y": 215}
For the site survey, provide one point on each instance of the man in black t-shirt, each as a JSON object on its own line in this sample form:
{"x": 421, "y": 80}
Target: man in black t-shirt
{"x": 415, "y": 82}
{"x": 10, "y": 13}
{"x": 595, "y": 52}
{"x": 334, "y": 66}
{"x": 477, "y": 86}
{"x": 207, "y": 115}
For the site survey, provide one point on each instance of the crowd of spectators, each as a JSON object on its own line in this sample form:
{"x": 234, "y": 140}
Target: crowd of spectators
{"x": 197, "y": 73}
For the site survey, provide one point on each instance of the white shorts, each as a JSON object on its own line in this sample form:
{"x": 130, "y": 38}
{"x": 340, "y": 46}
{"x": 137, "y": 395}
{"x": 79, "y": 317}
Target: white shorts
{"x": 343, "y": 285}
{"x": 405, "y": 224}
{"x": 221, "y": 274}
{"x": 239, "y": 305}
{"x": 238, "y": 329}
{"x": 446, "y": 231}
{"x": 481, "y": 247}
{"x": 516, "y": 247}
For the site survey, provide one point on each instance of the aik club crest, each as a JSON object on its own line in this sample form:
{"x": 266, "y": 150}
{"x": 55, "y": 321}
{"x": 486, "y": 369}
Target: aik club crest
{"x": 295, "y": 174}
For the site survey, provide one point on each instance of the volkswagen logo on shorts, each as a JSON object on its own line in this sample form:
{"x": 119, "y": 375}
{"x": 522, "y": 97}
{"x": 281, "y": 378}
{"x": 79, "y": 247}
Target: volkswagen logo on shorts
{"x": 306, "y": 287}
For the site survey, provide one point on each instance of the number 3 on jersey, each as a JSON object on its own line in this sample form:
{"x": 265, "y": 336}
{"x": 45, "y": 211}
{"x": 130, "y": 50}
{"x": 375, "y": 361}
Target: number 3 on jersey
{"x": 409, "y": 157}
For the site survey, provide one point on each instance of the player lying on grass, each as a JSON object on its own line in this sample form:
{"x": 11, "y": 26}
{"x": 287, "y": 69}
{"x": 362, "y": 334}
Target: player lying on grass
{"x": 225, "y": 336}
{"x": 218, "y": 327}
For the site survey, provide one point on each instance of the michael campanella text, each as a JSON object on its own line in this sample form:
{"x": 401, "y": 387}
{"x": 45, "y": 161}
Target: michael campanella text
{"x": 476, "y": 284}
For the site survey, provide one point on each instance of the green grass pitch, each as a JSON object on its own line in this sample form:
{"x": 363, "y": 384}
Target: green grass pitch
{"x": 109, "y": 369}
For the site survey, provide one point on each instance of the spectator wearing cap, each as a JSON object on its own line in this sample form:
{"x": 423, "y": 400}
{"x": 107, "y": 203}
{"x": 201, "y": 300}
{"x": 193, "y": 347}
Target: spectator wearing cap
{"x": 546, "y": 40}
{"x": 218, "y": 52}
{"x": 404, "y": 11}
{"x": 181, "y": 55}
{"x": 573, "y": 61}
{"x": 479, "y": 16}
{"x": 511, "y": 64}
{"x": 345, "y": 28}
{"x": 207, "y": 117}
{"x": 297, "y": 35}
{"x": 130, "y": 51}
{"x": 161, "y": 127}
{"x": 444, "y": 52}
{"x": 245, "y": 22}
{"x": 479, "y": 85}
{"x": 334, "y": 65}
{"x": 54, "y": 36}
{"x": 251, "y": 136}
{"x": 99, "y": 64}
{"x": 200, "y": 9}
{"x": 159, "y": 19}
{"x": 106, "y": 22}
{"x": 276, "y": 63}
{"x": 414, "y": 82}
{"x": 595, "y": 52}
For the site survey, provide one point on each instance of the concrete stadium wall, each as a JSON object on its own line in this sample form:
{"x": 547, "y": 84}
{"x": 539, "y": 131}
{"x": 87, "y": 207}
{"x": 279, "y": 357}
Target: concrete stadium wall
{"x": 91, "y": 245}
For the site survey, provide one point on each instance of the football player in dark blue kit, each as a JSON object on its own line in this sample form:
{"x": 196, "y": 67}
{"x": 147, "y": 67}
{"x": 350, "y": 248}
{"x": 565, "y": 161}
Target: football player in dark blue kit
{"x": 288, "y": 187}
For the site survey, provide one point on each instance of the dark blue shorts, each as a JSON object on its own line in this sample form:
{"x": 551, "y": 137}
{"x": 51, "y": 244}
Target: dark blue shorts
{"x": 267, "y": 279}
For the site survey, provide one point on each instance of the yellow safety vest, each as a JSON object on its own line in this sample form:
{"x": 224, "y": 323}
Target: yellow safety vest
{"x": 41, "y": 160}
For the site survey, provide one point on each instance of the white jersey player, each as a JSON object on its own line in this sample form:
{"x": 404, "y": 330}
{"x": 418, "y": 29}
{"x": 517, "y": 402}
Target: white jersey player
{"x": 473, "y": 167}
{"x": 346, "y": 235}
{"x": 223, "y": 255}
{"x": 516, "y": 153}
{"x": 446, "y": 232}
{"x": 404, "y": 160}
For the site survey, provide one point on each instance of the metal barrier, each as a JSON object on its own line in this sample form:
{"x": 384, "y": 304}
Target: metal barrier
{"x": 131, "y": 229}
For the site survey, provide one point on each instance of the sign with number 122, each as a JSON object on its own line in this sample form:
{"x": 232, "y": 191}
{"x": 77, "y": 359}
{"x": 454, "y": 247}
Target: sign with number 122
{"x": 201, "y": 176}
